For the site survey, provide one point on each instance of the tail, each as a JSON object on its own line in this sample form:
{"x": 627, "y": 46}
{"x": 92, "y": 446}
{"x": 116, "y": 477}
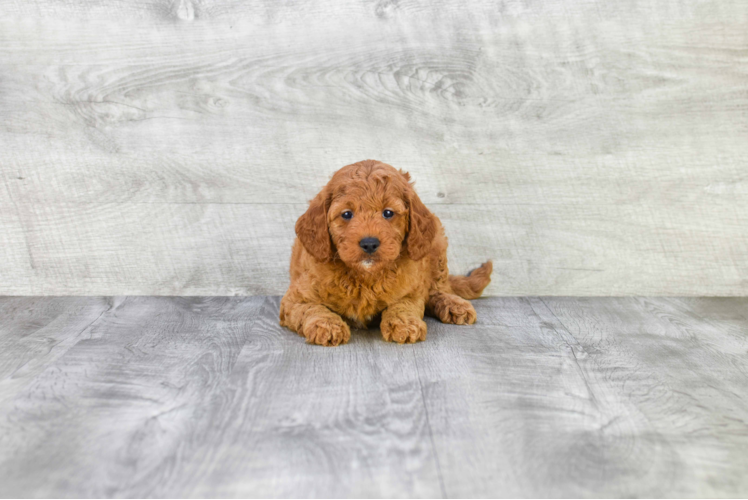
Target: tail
{"x": 471, "y": 286}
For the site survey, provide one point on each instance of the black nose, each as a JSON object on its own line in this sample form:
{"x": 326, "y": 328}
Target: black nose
{"x": 369, "y": 245}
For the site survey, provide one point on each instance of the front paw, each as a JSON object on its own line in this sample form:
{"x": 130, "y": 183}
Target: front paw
{"x": 327, "y": 331}
{"x": 454, "y": 310}
{"x": 403, "y": 329}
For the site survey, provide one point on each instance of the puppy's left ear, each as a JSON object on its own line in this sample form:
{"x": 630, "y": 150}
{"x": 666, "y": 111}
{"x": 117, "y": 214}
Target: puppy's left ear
{"x": 422, "y": 228}
{"x": 311, "y": 228}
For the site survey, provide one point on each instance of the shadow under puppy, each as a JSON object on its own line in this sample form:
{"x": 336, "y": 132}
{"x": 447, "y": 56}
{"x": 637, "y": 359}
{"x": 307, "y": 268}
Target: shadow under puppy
{"x": 368, "y": 249}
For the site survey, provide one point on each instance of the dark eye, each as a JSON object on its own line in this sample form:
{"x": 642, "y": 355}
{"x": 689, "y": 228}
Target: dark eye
{"x": 347, "y": 215}
{"x": 388, "y": 214}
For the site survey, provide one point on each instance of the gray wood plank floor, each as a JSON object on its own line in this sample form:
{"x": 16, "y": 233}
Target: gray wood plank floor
{"x": 165, "y": 397}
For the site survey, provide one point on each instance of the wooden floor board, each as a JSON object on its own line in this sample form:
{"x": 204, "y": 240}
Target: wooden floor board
{"x": 210, "y": 397}
{"x": 34, "y": 332}
{"x": 116, "y": 405}
{"x": 286, "y": 424}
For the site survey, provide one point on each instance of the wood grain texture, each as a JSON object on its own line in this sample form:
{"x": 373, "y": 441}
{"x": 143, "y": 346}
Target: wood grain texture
{"x": 36, "y": 332}
{"x": 167, "y": 147}
{"x": 209, "y": 397}
{"x": 604, "y": 398}
{"x": 138, "y": 379}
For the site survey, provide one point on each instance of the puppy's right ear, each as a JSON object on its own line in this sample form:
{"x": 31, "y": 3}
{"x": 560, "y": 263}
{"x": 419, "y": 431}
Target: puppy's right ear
{"x": 311, "y": 228}
{"x": 422, "y": 228}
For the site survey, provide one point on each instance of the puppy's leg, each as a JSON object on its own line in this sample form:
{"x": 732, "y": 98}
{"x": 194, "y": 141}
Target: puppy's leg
{"x": 315, "y": 322}
{"x": 443, "y": 302}
{"x": 450, "y": 308}
{"x": 403, "y": 322}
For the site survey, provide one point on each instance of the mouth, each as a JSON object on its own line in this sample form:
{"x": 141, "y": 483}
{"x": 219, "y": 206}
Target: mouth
{"x": 367, "y": 263}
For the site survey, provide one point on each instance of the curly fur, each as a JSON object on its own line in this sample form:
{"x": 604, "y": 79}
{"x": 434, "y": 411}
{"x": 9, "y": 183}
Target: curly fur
{"x": 335, "y": 284}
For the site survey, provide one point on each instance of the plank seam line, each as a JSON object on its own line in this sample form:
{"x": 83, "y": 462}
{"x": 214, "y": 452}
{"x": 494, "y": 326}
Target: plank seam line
{"x": 265, "y": 300}
{"x": 571, "y": 348}
{"x": 110, "y": 308}
{"x": 74, "y": 339}
{"x": 431, "y": 432}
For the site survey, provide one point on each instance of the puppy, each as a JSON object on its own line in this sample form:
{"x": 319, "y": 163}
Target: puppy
{"x": 368, "y": 250}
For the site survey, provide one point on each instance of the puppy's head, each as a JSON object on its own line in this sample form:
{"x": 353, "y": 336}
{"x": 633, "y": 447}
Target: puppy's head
{"x": 367, "y": 215}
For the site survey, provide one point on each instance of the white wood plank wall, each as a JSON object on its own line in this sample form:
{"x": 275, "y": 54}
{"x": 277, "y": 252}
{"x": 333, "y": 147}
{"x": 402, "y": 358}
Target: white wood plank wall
{"x": 167, "y": 147}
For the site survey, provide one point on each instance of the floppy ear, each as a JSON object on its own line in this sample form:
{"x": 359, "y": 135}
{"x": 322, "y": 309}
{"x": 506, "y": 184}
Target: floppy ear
{"x": 422, "y": 227}
{"x": 311, "y": 228}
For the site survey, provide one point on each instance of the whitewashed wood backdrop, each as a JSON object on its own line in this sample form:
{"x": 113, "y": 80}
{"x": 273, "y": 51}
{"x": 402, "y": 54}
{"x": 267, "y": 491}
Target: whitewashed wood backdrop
{"x": 167, "y": 147}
